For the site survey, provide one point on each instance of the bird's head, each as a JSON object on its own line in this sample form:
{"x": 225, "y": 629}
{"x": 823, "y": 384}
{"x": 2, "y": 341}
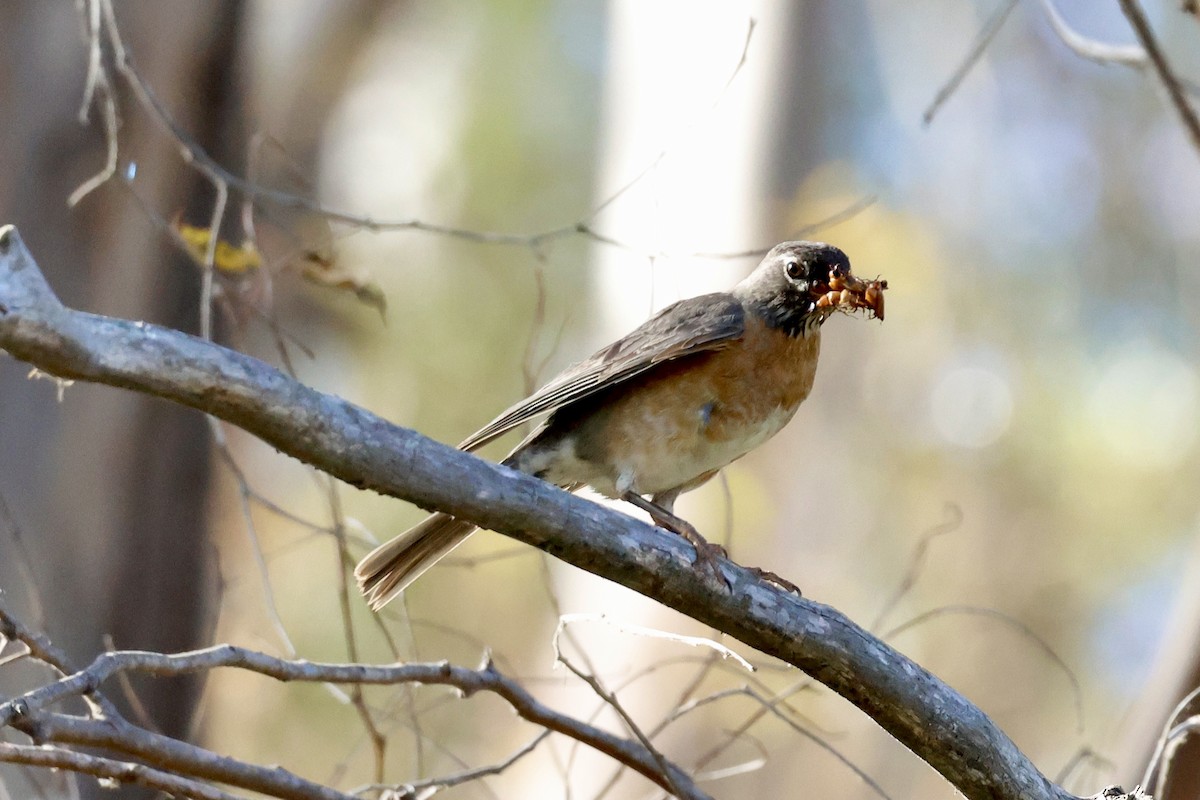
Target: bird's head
{"x": 799, "y": 285}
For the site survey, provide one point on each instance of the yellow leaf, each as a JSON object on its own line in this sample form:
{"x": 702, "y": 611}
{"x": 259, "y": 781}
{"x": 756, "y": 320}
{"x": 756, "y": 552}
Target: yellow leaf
{"x": 227, "y": 258}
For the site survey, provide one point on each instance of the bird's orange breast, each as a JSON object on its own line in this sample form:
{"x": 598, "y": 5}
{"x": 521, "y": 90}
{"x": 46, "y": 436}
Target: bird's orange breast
{"x": 688, "y": 418}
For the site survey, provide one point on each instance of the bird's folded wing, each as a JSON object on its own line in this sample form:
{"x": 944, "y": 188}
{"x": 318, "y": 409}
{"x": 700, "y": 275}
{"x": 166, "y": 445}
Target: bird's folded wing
{"x": 695, "y": 325}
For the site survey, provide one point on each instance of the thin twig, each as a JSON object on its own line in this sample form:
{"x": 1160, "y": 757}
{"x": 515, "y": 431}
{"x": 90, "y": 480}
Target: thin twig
{"x": 1145, "y": 35}
{"x": 751, "y": 720}
{"x": 773, "y": 709}
{"x": 1149, "y": 778}
{"x": 377, "y": 739}
{"x": 23, "y": 562}
{"x": 916, "y": 562}
{"x": 99, "y": 86}
{"x": 717, "y": 651}
{"x": 1174, "y": 741}
{"x": 40, "y": 648}
{"x": 196, "y": 156}
{"x": 982, "y": 40}
{"x": 260, "y": 559}
{"x": 216, "y": 218}
{"x": 393, "y": 713}
{"x": 674, "y": 787}
{"x": 771, "y": 706}
{"x": 466, "y": 776}
{"x": 1127, "y": 55}
{"x": 566, "y": 620}
{"x": 682, "y": 698}
{"x": 1015, "y": 624}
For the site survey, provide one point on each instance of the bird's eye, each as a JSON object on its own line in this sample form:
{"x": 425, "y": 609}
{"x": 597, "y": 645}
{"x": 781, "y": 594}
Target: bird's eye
{"x": 795, "y": 270}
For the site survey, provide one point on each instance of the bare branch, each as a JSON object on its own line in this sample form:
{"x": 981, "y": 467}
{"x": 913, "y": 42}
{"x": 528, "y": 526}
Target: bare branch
{"x": 180, "y": 758}
{"x": 378, "y": 740}
{"x": 985, "y": 37}
{"x": 773, "y": 708}
{"x": 97, "y": 86}
{"x": 1015, "y": 624}
{"x": 353, "y": 445}
{"x": 1151, "y": 777}
{"x": 1092, "y": 50}
{"x": 1174, "y": 740}
{"x": 27, "y": 713}
{"x": 631, "y": 725}
{"x": 224, "y": 180}
{"x": 916, "y": 562}
{"x": 39, "y": 647}
{"x": 1131, "y": 56}
{"x": 108, "y": 769}
{"x": 245, "y": 495}
{"x": 466, "y": 776}
{"x": 1145, "y": 35}
{"x": 653, "y": 633}
{"x": 24, "y": 564}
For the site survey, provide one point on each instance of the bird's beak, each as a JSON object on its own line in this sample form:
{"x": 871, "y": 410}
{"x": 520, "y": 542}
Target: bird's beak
{"x": 846, "y": 293}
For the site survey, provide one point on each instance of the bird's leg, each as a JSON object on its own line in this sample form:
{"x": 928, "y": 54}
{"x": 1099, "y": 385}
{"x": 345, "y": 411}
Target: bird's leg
{"x": 665, "y": 501}
{"x": 707, "y": 554}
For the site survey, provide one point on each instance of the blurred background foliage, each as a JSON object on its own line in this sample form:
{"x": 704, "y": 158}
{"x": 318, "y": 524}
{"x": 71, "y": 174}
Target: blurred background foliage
{"x": 1033, "y": 393}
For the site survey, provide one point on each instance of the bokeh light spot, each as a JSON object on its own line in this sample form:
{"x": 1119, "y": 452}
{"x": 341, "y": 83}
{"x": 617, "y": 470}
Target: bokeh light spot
{"x": 971, "y": 406}
{"x": 1144, "y": 406}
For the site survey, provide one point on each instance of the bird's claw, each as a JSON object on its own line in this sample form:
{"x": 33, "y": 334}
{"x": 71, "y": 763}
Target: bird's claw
{"x": 771, "y": 577}
{"x": 709, "y": 556}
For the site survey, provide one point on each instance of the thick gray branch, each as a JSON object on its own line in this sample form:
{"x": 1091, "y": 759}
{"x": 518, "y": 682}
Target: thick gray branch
{"x": 354, "y": 445}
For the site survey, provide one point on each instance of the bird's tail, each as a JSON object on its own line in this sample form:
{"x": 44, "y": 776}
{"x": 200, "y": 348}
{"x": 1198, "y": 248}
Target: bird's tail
{"x": 389, "y": 568}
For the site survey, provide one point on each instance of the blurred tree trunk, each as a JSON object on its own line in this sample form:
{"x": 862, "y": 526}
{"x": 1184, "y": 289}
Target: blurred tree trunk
{"x": 110, "y": 489}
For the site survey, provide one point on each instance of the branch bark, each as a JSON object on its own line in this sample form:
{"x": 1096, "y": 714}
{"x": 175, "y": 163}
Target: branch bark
{"x": 934, "y": 721}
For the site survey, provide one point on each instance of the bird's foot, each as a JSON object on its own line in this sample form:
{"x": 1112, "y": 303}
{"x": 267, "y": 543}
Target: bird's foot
{"x": 708, "y": 554}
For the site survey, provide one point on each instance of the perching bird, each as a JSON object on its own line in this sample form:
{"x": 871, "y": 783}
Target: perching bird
{"x": 662, "y": 410}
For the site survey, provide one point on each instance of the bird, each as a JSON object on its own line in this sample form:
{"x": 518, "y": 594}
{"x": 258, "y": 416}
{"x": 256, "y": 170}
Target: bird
{"x": 666, "y": 407}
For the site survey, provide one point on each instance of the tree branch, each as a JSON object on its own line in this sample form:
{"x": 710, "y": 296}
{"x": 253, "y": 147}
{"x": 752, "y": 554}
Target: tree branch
{"x": 1145, "y": 35}
{"x": 169, "y": 755}
{"x": 110, "y": 769}
{"x": 27, "y": 714}
{"x": 937, "y": 723}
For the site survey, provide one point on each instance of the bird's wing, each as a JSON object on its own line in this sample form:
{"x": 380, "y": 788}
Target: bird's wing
{"x": 695, "y": 325}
